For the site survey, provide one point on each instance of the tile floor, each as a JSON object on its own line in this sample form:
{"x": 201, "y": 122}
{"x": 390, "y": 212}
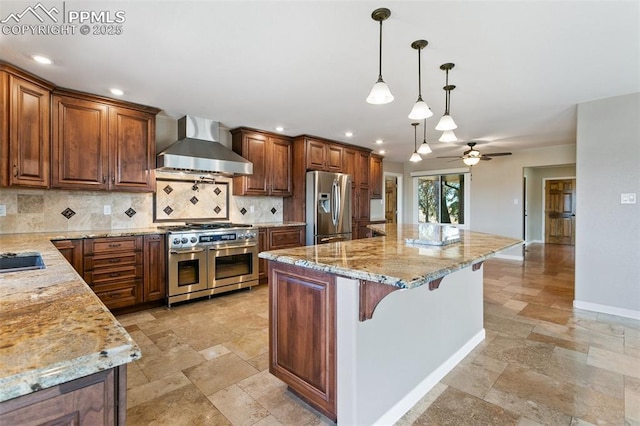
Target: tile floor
{"x": 205, "y": 362}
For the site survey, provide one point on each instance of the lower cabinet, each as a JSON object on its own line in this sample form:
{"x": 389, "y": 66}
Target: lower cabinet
{"x": 98, "y": 399}
{"x": 155, "y": 271}
{"x": 276, "y": 238}
{"x": 72, "y": 251}
{"x": 302, "y": 334}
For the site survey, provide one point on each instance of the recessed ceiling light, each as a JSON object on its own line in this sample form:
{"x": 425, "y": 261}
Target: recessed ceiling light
{"x": 279, "y": 128}
{"x": 382, "y": 151}
{"x": 42, "y": 59}
{"x": 117, "y": 92}
{"x": 348, "y": 134}
{"x": 379, "y": 141}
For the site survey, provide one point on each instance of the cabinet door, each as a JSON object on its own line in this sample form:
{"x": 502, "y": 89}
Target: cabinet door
{"x": 375, "y": 177}
{"x": 302, "y": 333}
{"x": 79, "y": 144}
{"x": 72, "y": 251}
{"x": 334, "y": 158}
{"x": 349, "y": 163}
{"x": 362, "y": 170}
{"x": 363, "y": 205}
{"x": 263, "y": 245}
{"x": 280, "y": 167}
{"x": 254, "y": 148}
{"x": 28, "y": 134}
{"x": 154, "y": 268}
{"x": 132, "y": 150}
{"x": 316, "y": 157}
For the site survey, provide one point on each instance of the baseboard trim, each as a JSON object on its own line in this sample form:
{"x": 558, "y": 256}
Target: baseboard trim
{"x": 605, "y": 309}
{"x": 509, "y": 257}
{"x": 401, "y": 407}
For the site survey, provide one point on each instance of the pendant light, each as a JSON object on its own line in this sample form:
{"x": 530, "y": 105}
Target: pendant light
{"x": 415, "y": 157}
{"x": 448, "y": 136}
{"x": 380, "y": 93}
{"x": 424, "y": 146}
{"x": 446, "y": 122}
{"x": 420, "y": 110}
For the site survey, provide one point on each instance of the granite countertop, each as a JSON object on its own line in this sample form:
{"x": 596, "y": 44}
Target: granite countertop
{"x": 277, "y": 224}
{"x": 53, "y": 328}
{"x": 390, "y": 260}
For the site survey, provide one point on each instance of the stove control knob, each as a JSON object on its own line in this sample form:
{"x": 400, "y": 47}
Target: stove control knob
{"x": 176, "y": 241}
{"x": 252, "y": 234}
{"x": 241, "y": 236}
{"x": 194, "y": 239}
{"x": 184, "y": 240}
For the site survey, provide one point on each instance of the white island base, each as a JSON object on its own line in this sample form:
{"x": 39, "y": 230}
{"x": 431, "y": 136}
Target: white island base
{"x": 414, "y": 338}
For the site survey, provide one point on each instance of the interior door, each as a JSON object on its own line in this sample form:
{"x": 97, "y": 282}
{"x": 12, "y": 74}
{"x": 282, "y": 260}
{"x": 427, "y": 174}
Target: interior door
{"x": 560, "y": 211}
{"x": 391, "y": 199}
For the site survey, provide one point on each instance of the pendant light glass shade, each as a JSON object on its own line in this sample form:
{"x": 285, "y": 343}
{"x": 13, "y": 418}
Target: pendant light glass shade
{"x": 448, "y": 136}
{"x": 424, "y": 147}
{"x": 380, "y": 93}
{"x": 415, "y": 157}
{"x": 420, "y": 110}
{"x": 471, "y": 160}
{"x": 446, "y": 123}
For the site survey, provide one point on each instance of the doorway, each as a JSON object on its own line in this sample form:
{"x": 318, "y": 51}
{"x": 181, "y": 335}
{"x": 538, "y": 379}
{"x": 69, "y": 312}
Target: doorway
{"x": 391, "y": 199}
{"x": 560, "y": 211}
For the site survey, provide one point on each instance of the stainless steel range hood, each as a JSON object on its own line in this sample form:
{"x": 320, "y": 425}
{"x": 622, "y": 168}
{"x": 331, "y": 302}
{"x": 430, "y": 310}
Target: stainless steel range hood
{"x": 198, "y": 151}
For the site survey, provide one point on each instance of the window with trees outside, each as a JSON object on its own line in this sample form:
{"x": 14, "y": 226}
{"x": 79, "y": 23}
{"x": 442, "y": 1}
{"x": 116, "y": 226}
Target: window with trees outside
{"x": 441, "y": 199}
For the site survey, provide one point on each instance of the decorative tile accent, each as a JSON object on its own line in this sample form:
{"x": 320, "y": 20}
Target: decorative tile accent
{"x": 68, "y": 213}
{"x": 130, "y": 212}
{"x": 217, "y": 209}
{"x": 243, "y": 211}
{"x": 168, "y": 189}
{"x": 194, "y": 200}
{"x": 168, "y": 210}
{"x": 217, "y": 191}
{"x": 273, "y": 210}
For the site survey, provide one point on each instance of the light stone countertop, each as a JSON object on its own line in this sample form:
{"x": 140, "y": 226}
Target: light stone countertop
{"x": 277, "y": 224}
{"x": 53, "y": 328}
{"x": 390, "y": 260}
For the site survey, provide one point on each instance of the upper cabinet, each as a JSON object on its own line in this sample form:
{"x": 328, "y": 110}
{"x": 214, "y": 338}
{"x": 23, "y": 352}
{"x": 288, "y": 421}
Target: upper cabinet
{"x": 375, "y": 176}
{"x": 101, "y": 145}
{"x": 322, "y": 155}
{"x": 24, "y": 136}
{"x": 271, "y": 156}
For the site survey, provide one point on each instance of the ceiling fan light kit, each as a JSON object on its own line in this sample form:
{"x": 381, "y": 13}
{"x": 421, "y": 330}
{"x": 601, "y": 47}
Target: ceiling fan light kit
{"x": 380, "y": 93}
{"x": 471, "y": 160}
{"x": 415, "y": 157}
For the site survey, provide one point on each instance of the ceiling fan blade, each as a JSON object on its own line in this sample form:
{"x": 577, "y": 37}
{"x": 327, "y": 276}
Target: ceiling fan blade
{"x": 484, "y": 157}
{"x": 451, "y": 156}
{"x": 497, "y": 154}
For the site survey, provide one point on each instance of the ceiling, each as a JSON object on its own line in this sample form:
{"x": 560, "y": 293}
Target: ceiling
{"x": 520, "y": 67}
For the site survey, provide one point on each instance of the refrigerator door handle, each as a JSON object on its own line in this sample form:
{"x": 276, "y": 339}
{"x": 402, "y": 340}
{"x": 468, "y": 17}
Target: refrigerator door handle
{"x": 335, "y": 190}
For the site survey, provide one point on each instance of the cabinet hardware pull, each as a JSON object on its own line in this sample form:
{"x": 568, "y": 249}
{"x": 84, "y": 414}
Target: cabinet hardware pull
{"x": 113, "y": 178}
{"x": 114, "y": 260}
{"x": 16, "y": 170}
{"x": 115, "y": 274}
{"x": 114, "y": 245}
{"x": 104, "y": 178}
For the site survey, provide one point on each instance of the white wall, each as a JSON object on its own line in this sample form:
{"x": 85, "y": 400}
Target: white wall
{"x": 496, "y": 188}
{"x": 608, "y": 232}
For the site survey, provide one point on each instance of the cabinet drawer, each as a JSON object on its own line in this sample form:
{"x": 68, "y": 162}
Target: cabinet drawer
{"x": 111, "y": 275}
{"x": 118, "y": 295}
{"x": 108, "y": 245}
{"x": 97, "y": 262}
{"x": 286, "y": 238}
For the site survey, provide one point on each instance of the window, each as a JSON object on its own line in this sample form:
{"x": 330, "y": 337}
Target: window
{"x": 441, "y": 198}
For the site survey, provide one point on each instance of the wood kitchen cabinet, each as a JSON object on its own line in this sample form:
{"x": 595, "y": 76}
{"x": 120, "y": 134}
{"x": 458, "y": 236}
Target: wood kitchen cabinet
{"x": 101, "y": 144}
{"x": 98, "y": 399}
{"x": 375, "y": 177}
{"x": 323, "y": 155}
{"x": 271, "y": 156}
{"x": 302, "y": 333}
{"x": 24, "y": 134}
{"x": 72, "y": 251}
{"x": 155, "y": 275}
{"x": 113, "y": 268}
{"x": 276, "y": 238}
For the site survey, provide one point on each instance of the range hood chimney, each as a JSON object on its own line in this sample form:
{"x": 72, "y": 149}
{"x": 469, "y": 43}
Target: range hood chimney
{"x": 198, "y": 150}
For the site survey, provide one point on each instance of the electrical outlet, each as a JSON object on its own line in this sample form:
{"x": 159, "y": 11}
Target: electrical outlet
{"x": 3, "y": 210}
{"x": 107, "y": 209}
{"x": 252, "y": 209}
{"x": 628, "y": 198}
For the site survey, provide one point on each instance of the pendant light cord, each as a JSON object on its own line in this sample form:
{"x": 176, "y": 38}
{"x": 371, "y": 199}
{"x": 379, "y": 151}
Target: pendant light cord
{"x": 419, "y": 76}
{"x": 380, "y": 55}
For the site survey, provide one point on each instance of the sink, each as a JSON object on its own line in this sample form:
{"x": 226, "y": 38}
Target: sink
{"x": 12, "y": 262}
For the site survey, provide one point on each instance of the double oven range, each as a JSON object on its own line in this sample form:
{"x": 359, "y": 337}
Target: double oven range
{"x": 209, "y": 258}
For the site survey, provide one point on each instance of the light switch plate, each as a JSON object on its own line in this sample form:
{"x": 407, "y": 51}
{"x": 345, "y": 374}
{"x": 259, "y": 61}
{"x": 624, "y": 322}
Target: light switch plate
{"x": 628, "y": 198}
{"x": 3, "y": 210}
{"x": 107, "y": 209}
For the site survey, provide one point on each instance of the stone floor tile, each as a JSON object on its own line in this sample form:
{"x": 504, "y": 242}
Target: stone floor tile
{"x": 563, "y": 343}
{"x": 214, "y": 352}
{"x": 169, "y": 361}
{"x": 135, "y": 376}
{"x": 619, "y": 363}
{"x": 268, "y": 421}
{"x": 508, "y": 327}
{"x": 421, "y": 406}
{"x": 238, "y": 407}
{"x": 216, "y": 374}
{"x": 454, "y": 407}
{"x": 475, "y": 377}
{"x": 250, "y": 345}
{"x": 632, "y": 406}
{"x": 545, "y": 313}
{"x": 260, "y": 362}
{"x": 146, "y": 392}
{"x": 522, "y": 352}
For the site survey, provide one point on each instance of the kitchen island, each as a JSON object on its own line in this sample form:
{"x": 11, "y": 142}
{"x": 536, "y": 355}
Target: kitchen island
{"x": 363, "y": 329}
{"x": 63, "y": 355}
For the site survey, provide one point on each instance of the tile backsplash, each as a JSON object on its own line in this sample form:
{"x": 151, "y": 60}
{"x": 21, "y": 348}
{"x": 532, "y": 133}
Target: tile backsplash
{"x": 52, "y": 210}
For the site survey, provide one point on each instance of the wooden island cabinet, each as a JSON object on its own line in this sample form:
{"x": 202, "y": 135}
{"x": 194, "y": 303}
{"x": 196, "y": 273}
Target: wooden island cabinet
{"x": 276, "y": 238}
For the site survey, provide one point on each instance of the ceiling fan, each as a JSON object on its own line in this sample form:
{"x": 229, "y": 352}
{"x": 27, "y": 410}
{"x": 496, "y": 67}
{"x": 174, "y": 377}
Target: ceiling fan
{"x": 472, "y": 156}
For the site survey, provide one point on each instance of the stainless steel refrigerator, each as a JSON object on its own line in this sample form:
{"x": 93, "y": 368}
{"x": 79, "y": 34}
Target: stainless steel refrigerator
{"x": 328, "y": 207}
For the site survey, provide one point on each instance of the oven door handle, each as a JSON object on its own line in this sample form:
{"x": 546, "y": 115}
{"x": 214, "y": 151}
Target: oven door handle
{"x": 186, "y": 251}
